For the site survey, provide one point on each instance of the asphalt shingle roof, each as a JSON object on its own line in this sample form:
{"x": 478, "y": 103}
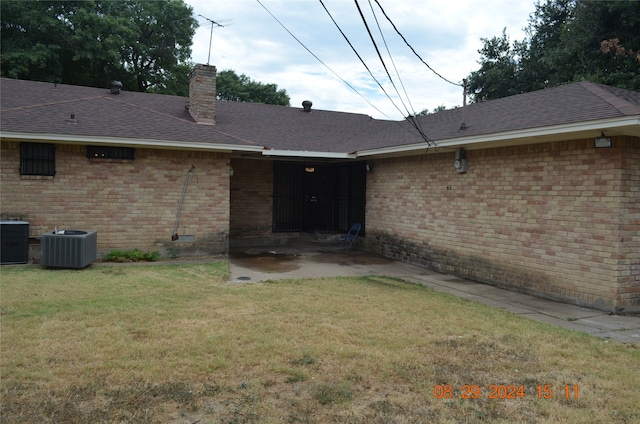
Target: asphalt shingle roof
{"x": 45, "y": 108}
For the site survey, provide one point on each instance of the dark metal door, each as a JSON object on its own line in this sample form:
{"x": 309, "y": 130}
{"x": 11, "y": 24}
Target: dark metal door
{"x": 318, "y": 197}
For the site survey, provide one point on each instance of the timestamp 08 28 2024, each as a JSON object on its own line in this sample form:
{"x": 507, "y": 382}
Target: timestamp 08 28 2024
{"x": 504, "y": 391}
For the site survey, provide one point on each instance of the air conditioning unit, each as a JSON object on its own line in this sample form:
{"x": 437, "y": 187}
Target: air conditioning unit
{"x": 14, "y": 240}
{"x": 74, "y": 249}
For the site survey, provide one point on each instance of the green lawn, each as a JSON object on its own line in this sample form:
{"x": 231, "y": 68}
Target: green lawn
{"x": 178, "y": 343}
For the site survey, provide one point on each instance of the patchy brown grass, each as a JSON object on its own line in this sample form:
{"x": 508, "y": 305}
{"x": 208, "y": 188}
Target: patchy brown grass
{"x": 177, "y": 343}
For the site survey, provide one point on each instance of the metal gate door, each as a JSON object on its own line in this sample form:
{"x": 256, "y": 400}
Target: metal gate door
{"x": 318, "y": 197}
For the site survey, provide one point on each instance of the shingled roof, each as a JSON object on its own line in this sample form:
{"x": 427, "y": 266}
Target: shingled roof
{"x": 38, "y": 110}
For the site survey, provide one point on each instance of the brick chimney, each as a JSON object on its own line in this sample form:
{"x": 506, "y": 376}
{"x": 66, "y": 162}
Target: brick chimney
{"x": 202, "y": 94}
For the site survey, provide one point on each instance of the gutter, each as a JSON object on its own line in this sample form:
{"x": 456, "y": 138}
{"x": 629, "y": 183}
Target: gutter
{"x": 132, "y": 142}
{"x": 309, "y": 154}
{"x": 626, "y": 125}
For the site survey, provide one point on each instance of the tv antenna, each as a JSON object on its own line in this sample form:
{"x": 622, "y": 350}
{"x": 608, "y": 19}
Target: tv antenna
{"x": 213, "y": 23}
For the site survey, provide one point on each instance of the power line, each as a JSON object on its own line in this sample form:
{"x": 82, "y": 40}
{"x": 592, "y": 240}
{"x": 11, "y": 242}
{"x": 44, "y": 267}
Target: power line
{"x": 420, "y": 133}
{"x": 391, "y": 57}
{"x": 358, "y": 55}
{"x": 411, "y": 116}
{"x": 412, "y": 49}
{"x": 320, "y": 60}
{"x": 369, "y": 70}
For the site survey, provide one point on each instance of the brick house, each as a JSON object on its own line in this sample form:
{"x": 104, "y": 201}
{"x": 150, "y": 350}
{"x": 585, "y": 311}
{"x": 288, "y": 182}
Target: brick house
{"x": 538, "y": 192}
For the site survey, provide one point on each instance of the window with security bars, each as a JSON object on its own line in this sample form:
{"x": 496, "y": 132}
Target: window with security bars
{"x": 110, "y": 152}
{"x": 37, "y": 159}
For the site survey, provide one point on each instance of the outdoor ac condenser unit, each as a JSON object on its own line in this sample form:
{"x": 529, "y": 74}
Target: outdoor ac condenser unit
{"x": 68, "y": 249}
{"x": 14, "y": 242}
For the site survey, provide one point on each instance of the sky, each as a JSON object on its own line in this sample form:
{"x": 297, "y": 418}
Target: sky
{"x": 446, "y": 34}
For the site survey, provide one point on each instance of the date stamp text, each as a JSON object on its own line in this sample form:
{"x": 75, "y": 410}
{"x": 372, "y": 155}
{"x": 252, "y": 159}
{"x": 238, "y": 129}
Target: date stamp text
{"x": 504, "y": 391}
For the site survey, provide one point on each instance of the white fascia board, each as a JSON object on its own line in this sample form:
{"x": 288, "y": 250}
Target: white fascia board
{"x": 395, "y": 150}
{"x": 151, "y": 143}
{"x": 308, "y": 154}
{"x": 519, "y": 135}
{"x": 579, "y": 127}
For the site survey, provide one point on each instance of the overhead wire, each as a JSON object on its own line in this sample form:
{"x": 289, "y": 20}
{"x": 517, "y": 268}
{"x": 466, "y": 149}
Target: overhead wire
{"x": 412, "y": 49}
{"x": 384, "y": 40}
{"x": 411, "y": 114}
{"x": 358, "y": 55}
{"x": 399, "y": 123}
{"x": 422, "y": 135}
{"x": 320, "y": 60}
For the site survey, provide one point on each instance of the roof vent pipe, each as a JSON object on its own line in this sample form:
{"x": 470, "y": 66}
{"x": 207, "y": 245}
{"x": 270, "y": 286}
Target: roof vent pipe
{"x": 115, "y": 87}
{"x": 307, "y": 105}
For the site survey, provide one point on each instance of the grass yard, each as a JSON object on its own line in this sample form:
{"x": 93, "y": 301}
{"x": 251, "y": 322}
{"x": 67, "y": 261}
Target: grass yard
{"x": 177, "y": 343}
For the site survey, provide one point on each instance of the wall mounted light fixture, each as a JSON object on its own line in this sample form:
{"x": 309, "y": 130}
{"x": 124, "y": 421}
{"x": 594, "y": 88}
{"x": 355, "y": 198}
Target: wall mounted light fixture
{"x": 602, "y": 141}
{"x": 310, "y": 169}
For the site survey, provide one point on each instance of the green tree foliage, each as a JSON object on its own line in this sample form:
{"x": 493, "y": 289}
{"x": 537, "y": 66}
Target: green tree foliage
{"x": 428, "y": 112}
{"x": 241, "y": 88}
{"x": 567, "y": 41}
{"x": 607, "y": 42}
{"x": 544, "y": 51}
{"x": 144, "y": 44}
{"x": 499, "y": 73}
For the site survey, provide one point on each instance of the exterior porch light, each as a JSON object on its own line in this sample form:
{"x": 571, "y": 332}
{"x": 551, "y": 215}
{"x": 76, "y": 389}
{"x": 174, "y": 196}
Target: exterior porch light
{"x": 309, "y": 169}
{"x": 602, "y": 141}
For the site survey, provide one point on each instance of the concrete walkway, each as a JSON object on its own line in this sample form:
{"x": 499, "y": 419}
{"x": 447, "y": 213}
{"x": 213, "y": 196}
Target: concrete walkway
{"x": 293, "y": 262}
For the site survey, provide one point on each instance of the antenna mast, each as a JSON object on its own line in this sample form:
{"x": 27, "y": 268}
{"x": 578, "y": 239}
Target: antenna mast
{"x": 211, "y": 35}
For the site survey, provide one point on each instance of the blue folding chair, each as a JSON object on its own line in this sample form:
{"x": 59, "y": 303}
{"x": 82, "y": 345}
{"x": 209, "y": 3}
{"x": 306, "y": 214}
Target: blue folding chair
{"x": 352, "y": 235}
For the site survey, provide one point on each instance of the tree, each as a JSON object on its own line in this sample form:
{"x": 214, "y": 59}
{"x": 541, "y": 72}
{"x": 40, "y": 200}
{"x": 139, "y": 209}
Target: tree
{"x": 241, "y": 88}
{"x": 606, "y": 42}
{"x": 144, "y": 44}
{"x": 498, "y": 75}
{"x": 567, "y": 41}
{"x": 31, "y": 39}
{"x": 426, "y": 111}
{"x": 544, "y": 61}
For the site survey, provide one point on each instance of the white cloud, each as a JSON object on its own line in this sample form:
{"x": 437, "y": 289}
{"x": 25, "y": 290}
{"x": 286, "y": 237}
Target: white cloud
{"x": 446, "y": 34}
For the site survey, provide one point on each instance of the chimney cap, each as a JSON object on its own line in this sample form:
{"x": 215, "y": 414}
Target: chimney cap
{"x": 307, "y": 105}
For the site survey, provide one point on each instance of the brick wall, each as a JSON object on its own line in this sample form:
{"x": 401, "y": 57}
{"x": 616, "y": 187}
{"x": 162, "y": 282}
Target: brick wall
{"x": 251, "y": 198}
{"x": 132, "y": 204}
{"x": 629, "y": 257}
{"x": 202, "y": 93}
{"x": 252, "y": 205}
{"x": 557, "y": 219}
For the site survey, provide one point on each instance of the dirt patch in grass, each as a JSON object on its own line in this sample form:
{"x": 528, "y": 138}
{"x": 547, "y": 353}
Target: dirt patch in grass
{"x": 177, "y": 343}
{"x": 352, "y": 257}
{"x": 268, "y": 261}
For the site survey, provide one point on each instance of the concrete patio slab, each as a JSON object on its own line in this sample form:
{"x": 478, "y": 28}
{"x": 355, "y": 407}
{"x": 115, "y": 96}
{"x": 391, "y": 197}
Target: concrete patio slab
{"x": 299, "y": 261}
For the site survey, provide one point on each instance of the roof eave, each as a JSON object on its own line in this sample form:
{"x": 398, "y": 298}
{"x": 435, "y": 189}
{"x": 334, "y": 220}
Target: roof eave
{"x": 308, "y": 154}
{"x": 131, "y": 142}
{"x": 627, "y": 125}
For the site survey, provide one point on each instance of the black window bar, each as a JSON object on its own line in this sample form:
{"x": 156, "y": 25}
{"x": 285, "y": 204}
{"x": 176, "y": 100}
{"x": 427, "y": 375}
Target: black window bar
{"x": 37, "y": 159}
{"x": 110, "y": 152}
